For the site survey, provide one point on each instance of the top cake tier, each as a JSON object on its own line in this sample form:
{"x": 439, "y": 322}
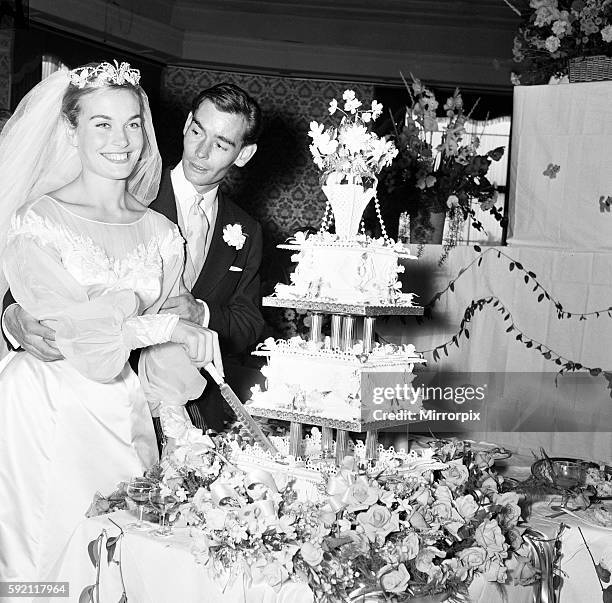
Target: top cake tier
{"x": 361, "y": 275}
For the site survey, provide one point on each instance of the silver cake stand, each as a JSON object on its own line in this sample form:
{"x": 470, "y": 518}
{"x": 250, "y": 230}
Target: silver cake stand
{"x": 343, "y": 323}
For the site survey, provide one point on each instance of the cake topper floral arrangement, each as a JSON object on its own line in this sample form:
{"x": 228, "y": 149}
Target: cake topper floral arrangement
{"x": 351, "y": 151}
{"x": 554, "y": 31}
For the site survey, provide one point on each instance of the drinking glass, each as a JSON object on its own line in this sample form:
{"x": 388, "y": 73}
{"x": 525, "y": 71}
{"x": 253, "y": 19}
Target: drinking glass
{"x": 138, "y": 490}
{"x": 163, "y": 503}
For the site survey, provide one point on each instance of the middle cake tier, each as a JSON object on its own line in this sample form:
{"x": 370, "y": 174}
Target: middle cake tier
{"x": 358, "y": 271}
{"x": 309, "y": 379}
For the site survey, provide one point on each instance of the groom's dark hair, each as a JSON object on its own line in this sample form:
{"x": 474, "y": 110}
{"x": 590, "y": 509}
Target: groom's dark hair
{"x": 230, "y": 98}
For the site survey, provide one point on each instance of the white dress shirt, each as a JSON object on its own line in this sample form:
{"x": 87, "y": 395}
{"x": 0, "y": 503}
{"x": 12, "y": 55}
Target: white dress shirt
{"x": 185, "y": 194}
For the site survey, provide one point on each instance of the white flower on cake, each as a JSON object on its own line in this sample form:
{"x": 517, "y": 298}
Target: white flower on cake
{"x": 233, "y": 236}
{"x": 351, "y": 103}
{"x": 350, "y": 151}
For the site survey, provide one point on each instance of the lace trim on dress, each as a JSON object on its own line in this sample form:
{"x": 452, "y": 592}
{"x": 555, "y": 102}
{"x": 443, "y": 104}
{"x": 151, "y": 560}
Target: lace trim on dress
{"x": 68, "y": 243}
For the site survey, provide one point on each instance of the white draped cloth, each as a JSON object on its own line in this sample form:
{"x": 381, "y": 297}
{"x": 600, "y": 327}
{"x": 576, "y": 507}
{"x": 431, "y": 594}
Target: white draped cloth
{"x": 76, "y": 426}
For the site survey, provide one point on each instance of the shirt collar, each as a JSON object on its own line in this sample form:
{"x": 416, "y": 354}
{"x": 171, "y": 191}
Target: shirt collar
{"x": 185, "y": 191}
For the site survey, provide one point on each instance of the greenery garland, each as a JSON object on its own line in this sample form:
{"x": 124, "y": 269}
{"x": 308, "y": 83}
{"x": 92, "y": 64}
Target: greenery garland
{"x": 477, "y": 305}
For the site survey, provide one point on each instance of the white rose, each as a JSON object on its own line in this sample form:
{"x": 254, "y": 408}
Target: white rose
{"x": 394, "y": 581}
{"x": 311, "y": 553}
{"x": 552, "y": 44}
{"x": 466, "y": 506}
{"x": 378, "y": 522}
{"x": 472, "y": 557}
{"x": 456, "y": 475}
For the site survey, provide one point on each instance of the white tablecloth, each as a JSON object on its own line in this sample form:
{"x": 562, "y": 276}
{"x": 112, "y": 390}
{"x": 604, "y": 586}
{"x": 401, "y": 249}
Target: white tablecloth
{"x": 157, "y": 570}
{"x": 163, "y": 570}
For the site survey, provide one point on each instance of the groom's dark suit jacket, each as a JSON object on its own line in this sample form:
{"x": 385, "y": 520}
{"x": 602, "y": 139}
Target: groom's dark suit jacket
{"x": 229, "y": 284}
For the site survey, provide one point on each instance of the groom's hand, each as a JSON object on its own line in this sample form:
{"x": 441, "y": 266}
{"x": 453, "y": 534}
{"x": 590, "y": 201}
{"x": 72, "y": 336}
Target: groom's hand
{"x": 32, "y": 335}
{"x": 186, "y": 306}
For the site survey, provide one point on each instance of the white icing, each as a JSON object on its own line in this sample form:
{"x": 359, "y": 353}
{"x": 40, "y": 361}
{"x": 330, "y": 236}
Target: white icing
{"x": 305, "y": 377}
{"x": 361, "y": 271}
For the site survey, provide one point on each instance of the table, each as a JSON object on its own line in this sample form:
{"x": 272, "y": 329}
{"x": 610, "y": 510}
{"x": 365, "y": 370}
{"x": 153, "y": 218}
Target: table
{"x": 156, "y": 570}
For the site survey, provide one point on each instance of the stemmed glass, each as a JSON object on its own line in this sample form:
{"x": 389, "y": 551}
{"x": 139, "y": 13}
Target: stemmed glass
{"x": 138, "y": 490}
{"x": 163, "y": 503}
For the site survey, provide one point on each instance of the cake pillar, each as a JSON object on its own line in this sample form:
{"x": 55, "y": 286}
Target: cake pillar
{"x": 336, "y": 325}
{"x": 348, "y": 327}
{"x": 295, "y": 439}
{"x": 341, "y": 445}
{"x": 327, "y": 441}
{"x": 371, "y": 445}
{"x": 316, "y": 322}
{"x": 368, "y": 334}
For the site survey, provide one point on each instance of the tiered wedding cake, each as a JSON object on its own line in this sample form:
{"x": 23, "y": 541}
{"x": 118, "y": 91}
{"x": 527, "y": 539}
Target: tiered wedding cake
{"x": 344, "y": 380}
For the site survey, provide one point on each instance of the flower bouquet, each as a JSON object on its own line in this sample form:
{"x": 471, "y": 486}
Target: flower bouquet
{"x": 438, "y": 168}
{"x": 349, "y": 157}
{"x": 369, "y": 533}
{"x": 555, "y": 31}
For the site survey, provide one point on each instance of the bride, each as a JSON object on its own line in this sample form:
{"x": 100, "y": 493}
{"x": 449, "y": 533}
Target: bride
{"x": 78, "y": 165}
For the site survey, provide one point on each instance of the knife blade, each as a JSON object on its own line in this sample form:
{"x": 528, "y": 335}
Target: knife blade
{"x": 244, "y": 416}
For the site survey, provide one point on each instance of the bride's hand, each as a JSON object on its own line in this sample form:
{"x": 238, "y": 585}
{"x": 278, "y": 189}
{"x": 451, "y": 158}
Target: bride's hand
{"x": 200, "y": 343}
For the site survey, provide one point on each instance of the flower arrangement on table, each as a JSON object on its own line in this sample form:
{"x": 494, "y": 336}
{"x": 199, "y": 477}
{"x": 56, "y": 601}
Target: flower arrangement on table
{"x": 369, "y": 532}
{"x": 554, "y": 31}
{"x": 439, "y": 177}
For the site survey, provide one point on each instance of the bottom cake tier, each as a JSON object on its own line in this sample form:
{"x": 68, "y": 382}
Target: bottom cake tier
{"x": 308, "y": 382}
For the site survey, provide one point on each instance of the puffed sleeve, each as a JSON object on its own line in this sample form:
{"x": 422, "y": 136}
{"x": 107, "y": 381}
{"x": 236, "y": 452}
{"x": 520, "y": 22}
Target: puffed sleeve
{"x": 168, "y": 376}
{"x": 95, "y": 333}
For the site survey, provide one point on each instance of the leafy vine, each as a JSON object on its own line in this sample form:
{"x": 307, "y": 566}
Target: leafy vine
{"x": 475, "y": 306}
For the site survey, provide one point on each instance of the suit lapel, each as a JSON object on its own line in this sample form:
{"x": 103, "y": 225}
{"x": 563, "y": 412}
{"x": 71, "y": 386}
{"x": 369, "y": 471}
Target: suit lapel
{"x": 220, "y": 255}
{"x": 165, "y": 203}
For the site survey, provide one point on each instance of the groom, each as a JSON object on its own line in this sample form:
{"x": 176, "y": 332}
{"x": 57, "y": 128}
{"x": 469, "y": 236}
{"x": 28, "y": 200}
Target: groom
{"x": 223, "y": 250}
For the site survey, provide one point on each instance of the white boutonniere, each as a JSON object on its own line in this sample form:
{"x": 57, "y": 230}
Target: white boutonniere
{"x": 233, "y": 236}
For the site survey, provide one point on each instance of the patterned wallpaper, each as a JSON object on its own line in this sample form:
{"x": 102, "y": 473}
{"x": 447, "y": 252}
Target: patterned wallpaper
{"x": 280, "y": 185}
{"x": 6, "y": 40}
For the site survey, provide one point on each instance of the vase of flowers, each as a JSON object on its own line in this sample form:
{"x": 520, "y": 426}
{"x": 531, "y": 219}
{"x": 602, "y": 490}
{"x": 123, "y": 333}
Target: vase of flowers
{"x": 349, "y": 157}
{"x": 438, "y": 169}
{"x": 554, "y": 32}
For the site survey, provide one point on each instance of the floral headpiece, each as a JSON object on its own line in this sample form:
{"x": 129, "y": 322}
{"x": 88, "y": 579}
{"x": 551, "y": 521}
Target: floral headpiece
{"x": 103, "y": 74}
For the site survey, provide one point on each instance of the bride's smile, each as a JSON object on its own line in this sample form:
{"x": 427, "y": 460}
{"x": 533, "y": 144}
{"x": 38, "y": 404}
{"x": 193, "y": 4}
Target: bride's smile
{"x": 108, "y": 135}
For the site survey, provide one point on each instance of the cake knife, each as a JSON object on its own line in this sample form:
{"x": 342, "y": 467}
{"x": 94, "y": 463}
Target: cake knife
{"x": 240, "y": 409}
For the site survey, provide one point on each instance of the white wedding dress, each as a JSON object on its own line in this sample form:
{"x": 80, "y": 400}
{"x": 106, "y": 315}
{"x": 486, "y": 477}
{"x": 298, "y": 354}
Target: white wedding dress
{"x": 76, "y": 426}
